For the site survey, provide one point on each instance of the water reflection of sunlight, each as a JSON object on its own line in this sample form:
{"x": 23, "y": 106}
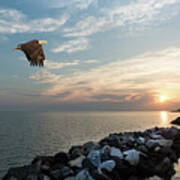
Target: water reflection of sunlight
{"x": 164, "y": 117}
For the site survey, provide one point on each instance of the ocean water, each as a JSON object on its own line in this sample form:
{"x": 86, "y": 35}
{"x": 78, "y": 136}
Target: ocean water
{"x": 24, "y": 135}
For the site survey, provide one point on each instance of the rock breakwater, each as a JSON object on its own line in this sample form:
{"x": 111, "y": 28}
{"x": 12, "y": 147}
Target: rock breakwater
{"x": 120, "y": 156}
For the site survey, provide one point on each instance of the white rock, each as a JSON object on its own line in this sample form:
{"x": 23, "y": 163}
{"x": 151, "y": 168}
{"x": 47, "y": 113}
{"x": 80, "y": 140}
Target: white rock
{"x": 132, "y": 156}
{"x": 157, "y": 149}
{"x": 116, "y": 152}
{"x": 108, "y": 165}
{"x": 77, "y": 162}
{"x": 142, "y": 140}
{"x": 95, "y": 157}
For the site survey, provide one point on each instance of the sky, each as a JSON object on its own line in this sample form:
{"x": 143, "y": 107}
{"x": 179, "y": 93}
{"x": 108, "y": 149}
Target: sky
{"x": 101, "y": 55}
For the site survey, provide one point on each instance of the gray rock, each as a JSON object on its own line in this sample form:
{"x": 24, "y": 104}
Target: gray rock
{"x": 32, "y": 177}
{"x": 132, "y": 156}
{"x": 170, "y": 133}
{"x": 20, "y": 173}
{"x": 165, "y": 142}
{"x": 152, "y": 143}
{"x": 66, "y": 171}
{"x": 87, "y": 164}
{"x": 143, "y": 148}
{"x": 45, "y": 168}
{"x": 75, "y": 152}
{"x": 105, "y": 150}
{"x": 70, "y": 178}
{"x": 116, "y": 152}
{"x": 140, "y": 140}
{"x": 89, "y": 146}
{"x": 61, "y": 158}
{"x": 84, "y": 175}
{"x": 46, "y": 178}
{"x": 114, "y": 140}
{"x": 95, "y": 158}
{"x": 108, "y": 165}
{"x": 61, "y": 173}
{"x": 56, "y": 174}
{"x": 157, "y": 149}
{"x": 12, "y": 178}
{"x": 156, "y": 136}
{"x": 42, "y": 160}
{"x": 77, "y": 162}
{"x": 163, "y": 166}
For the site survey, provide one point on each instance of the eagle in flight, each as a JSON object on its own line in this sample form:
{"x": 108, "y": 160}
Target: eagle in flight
{"x": 33, "y": 51}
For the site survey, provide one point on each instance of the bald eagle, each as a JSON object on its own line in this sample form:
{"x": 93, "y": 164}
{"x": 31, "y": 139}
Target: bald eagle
{"x": 33, "y": 51}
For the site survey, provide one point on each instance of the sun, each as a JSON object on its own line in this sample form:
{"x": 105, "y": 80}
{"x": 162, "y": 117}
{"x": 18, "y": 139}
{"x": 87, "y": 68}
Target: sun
{"x": 162, "y": 99}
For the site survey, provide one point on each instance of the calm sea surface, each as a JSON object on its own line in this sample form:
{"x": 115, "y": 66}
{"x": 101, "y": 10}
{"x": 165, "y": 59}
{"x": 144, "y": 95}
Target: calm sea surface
{"x": 24, "y": 135}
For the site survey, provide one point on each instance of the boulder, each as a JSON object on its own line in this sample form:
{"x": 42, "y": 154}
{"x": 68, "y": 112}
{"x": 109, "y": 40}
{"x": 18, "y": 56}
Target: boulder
{"x": 176, "y": 121}
{"x": 132, "y": 156}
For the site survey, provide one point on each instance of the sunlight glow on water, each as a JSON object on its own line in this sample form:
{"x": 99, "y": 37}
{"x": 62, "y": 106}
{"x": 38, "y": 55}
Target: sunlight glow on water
{"x": 164, "y": 118}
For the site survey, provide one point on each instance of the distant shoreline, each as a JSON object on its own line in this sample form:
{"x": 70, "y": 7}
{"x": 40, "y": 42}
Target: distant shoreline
{"x": 177, "y": 110}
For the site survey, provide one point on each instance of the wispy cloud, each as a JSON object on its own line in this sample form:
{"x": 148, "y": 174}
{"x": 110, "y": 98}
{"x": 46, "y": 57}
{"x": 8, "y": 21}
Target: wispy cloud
{"x": 14, "y": 21}
{"x": 72, "y": 46}
{"x": 91, "y": 61}
{"x": 139, "y": 12}
{"x": 80, "y": 4}
{"x": 59, "y": 65}
{"x": 44, "y": 76}
{"x": 149, "y": 74}
{"x": 87, "y": 27}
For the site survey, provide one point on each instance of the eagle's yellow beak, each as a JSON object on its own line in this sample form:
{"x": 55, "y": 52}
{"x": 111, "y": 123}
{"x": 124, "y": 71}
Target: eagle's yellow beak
{"x": 17, "y": 48}
{"x": 42, "y": 42}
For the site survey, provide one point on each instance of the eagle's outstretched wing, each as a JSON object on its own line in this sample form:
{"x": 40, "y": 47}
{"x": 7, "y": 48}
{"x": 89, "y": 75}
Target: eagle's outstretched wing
{"x": 34, "y": 52}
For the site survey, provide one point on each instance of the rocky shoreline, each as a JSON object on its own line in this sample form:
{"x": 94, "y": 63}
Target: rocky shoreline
{"x": 120, "y": 156}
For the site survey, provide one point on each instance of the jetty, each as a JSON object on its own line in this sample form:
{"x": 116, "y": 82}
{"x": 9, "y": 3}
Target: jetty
{"x": 119, "y": 156}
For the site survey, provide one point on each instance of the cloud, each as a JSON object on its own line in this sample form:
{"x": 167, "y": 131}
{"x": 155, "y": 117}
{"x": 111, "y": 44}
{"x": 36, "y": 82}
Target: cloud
{"x": 86, "y": 27}
{"x": 13, "y": 21}
{"x": 76, "y": 4}
{"x": 72, "y": 46}
{"x": 150, "y": 74}
{"x": 59, "y": 65}
{"x": 44, "y": 77}
{"x": 91, "y": 61}
{"x": 84, "y": 4}
{"x": 139, "y": 12}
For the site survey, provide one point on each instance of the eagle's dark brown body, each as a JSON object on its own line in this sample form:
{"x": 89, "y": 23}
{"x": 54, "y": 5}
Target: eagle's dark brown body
{"x": 33, "y": 51}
